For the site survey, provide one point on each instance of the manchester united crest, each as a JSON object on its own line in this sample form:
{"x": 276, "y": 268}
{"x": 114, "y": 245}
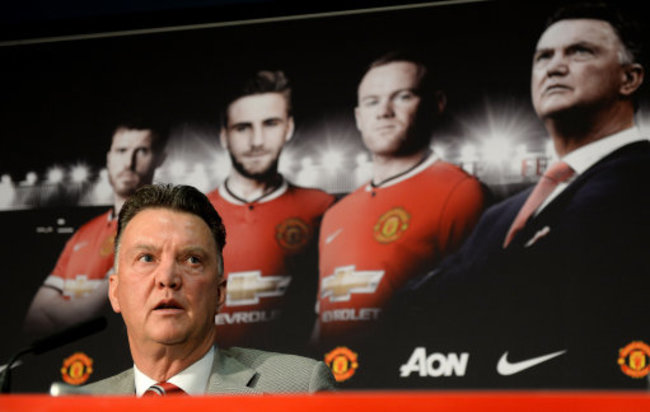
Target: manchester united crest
{"x": 343, "y": 363}
{"x": 633, "y": 359}
{"x": 293, "y": 234}
{"x": 108, "y": 246}
{"x": 391, "y": 225}
{"x": 76, "y": 368}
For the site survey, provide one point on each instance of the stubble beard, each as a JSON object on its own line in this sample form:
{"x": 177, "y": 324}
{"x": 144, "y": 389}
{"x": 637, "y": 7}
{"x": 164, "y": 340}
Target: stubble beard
{"x": 265, "y": 175}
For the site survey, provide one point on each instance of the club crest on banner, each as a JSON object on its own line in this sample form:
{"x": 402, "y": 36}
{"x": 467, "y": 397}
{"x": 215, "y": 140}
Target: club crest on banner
{"x": 108, "y": 246}
{"x": 292, "y": 234}
{"x": 391, "y": 225}
{"x": 76, "y": 368}
{"x": 343, "y": 363}
{"x": 633, "y": 359}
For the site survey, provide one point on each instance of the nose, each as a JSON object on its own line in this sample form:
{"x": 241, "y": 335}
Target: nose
{"x": 257, "y": 137}
{"x": 558, "y": 66}
{"x": 168, "y": 276}
{"x": 385, "y": 109}
{"x": 132, "y": 160}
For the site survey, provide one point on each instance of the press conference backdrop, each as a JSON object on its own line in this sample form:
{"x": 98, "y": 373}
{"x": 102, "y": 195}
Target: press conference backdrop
{"x": 61, "y": 96}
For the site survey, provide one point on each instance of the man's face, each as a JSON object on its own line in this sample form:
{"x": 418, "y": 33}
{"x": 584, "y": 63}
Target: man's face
{"x": 130, "y": 161}
{"x": 258, "y": 127}
{"x": 577, "y": 65}
{"x": 167, "y": 287}
{"x": 388, "y": 106}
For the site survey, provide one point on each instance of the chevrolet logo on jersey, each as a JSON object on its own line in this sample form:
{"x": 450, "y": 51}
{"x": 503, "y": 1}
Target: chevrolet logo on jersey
{"x": 246, "y": 288}
{"x": 79, "y": 286}
{"x": 345, "y": 281}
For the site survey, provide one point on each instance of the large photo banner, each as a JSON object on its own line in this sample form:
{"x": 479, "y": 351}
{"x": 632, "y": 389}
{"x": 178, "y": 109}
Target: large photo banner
{"x": 370, "y": 167}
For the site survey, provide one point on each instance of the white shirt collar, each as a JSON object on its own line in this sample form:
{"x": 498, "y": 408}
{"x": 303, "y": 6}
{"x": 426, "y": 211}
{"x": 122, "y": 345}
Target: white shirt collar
{"x": 586, "y": 156}
{"x": 431, "y": 159}
{"x": 279, "y": 191}
{"x": 193, "y": 379}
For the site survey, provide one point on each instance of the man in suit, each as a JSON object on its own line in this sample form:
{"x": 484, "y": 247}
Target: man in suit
{"x": 168, "y": 287}
{"x": 558, "y": 297}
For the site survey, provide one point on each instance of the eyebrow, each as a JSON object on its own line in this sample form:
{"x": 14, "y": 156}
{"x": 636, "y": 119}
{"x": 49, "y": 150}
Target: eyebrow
{"x": 579, "y": 43}
{"x": 189, "y": 249}
{"x": 393, "y": 93}
{"x": 245, "y": 123}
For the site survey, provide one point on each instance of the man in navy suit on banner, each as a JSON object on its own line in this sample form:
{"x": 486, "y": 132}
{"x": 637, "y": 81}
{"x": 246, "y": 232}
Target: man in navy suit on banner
{"x": 551, "y": 289}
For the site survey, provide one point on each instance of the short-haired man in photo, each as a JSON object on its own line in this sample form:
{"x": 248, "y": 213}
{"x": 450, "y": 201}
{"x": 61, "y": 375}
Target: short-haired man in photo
{"x": 271, "y": 260}
{"x": 77, "y": 287}
{"x": 549, "y": 290}
{"x": 416, "y": 210}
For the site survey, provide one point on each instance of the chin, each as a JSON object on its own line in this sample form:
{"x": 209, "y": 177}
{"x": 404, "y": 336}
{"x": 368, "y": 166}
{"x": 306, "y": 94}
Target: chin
{"x": 169, "y": 336}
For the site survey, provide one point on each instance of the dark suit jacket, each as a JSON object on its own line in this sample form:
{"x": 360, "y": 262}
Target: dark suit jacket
{"x": 243, "y": 371}
{"x": 576, "y": 278}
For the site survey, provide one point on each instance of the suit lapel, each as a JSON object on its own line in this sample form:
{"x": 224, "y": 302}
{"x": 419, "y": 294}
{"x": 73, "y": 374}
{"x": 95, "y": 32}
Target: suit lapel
{"x": 543, "y": 222}
{"x": 126, "y": 383}
{"x": 230, "y": 376}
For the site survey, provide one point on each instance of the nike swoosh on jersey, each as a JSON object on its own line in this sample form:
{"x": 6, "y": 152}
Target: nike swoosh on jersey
{"x": 506, "y": 368}
{"x": 333, "y": 236}
{"x": 79, "y": 245}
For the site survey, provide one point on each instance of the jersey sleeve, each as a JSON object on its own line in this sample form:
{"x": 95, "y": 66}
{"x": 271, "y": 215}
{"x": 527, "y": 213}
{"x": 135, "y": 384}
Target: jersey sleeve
{"x": 460, "y": 214}
{"x": 56, "y": 279}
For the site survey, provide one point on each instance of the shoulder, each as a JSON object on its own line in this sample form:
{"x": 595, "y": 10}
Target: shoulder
{"x": 122, "y": 383}
{"x": 450, "y": 174}
{"x": 284, "y": 372}
{"x": 97, "y": 221}
{"x": 214, "y": 195}
{"x": 310, "y": 194}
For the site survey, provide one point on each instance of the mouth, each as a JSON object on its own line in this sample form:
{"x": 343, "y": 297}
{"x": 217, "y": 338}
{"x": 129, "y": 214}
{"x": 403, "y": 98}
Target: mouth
{"x": 128, "y": 176}
{"x": 556, "y": 88}
{"x": 168, "y": 305}
{"x": 385, "y": 127}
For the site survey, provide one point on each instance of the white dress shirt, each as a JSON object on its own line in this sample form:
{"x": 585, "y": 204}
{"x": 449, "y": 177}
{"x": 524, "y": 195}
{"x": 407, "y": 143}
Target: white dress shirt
{"x": 193, "y": 379}
{"x": 586, "y": 156}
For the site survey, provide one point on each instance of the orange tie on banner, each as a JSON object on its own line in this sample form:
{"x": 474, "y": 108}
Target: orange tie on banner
{"x": 163, "y": 389}
{"x": 557, "y": 173}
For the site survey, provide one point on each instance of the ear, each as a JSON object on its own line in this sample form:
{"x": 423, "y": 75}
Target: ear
{"x": 632, "y": 79}
{"x": 357, "y": 117}
{"x": 160, "y": 158}
{"x": 112, "y": 293}
{"x": 440, "y": 101}
{"x": 290, "y": 129}
{"x": 221, "y": 297}
{"x": 223, "y": 138}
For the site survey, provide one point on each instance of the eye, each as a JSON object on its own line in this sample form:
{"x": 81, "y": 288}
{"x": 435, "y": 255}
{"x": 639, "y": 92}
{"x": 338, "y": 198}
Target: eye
{"x": 146, "y": 258}
{"x": 581, "y": 51}
{"x": 369, "y": 102}
{"x": 241, "y": 127}
{"x": 542, "y": 56}
{"x": 143, "y": 151}
{"x": 194, "y": 260}
{"x": 272, "y": 122}
{"x": 404, "y": 96}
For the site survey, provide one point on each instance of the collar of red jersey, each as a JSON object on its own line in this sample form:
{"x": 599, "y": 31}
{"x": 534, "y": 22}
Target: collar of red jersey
{"x": 279, "y": 191}
{"x": 431, "y": 159}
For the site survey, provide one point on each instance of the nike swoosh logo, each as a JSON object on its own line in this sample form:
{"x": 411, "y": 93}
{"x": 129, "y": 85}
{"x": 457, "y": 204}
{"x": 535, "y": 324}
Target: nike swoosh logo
{"x": 506, "y": 368}
{"x": 79, "y": 245}
{"x": 331, "y": 237}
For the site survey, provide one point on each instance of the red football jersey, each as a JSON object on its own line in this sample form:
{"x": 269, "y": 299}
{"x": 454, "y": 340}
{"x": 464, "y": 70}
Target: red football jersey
{"x": 270, "y": 254}
{"x": 377, "y": 238}
{"x": 86, "y": 259}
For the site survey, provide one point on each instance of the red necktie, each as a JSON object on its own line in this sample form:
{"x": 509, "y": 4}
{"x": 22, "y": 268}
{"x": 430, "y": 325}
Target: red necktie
{"x": 163, "y": 389}
{"x": 557, "y": 173}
